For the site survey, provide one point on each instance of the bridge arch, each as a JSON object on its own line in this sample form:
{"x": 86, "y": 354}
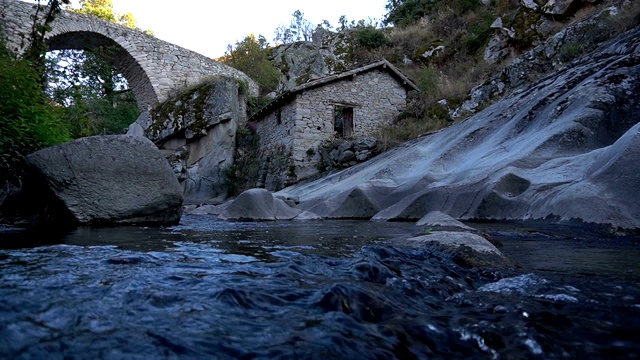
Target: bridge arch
{"x": 155, "y": 69}
{"x": 120, "y": 57}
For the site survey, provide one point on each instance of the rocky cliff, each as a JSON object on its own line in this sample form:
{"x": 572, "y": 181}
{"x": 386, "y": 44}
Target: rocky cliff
{"x": 565, "y": 147}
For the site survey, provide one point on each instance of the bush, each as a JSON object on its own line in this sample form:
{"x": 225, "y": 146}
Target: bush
{"x": 28, "y": 121}
{"x": 101, "y": 116}
{"x": 370, "y": 38}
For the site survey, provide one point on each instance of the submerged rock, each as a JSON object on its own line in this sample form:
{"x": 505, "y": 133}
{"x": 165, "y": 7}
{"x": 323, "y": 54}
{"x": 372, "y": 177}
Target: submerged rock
{"x": 467, "y": 248}
{"x": 564, "y": 148}
{"x": 103, "y": 180}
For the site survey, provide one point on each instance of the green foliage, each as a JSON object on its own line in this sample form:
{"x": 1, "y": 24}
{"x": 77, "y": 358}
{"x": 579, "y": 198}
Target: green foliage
{"x": 27, "y": 120}
{"x": 569, "y": 51}
{"x": 93, "y": 93}
{"x": 428, "y": 81}
{"x": 370, "y": 37}
{"x": 37, "y": 45}
{"x": 478, "y": 33}
{"x": 254, "y": 104}
{"x": 406, "y": 12}
{"x": 100, "y": 116}
{"x": 251, "y": 56}
{"x": 103, "y": 9}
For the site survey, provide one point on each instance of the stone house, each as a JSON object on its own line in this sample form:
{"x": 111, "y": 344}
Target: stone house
{"x": 296, "y": 126}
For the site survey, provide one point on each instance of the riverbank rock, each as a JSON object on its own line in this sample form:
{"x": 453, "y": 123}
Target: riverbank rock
{"x": 258, "y": 205}
{"x": 104, "y": 180}
{"x": 563, "y": 148}
{"x": 196, "y": 130}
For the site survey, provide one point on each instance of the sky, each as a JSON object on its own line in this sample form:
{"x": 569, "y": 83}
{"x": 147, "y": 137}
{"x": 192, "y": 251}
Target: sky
{"x": 208, "y": 26}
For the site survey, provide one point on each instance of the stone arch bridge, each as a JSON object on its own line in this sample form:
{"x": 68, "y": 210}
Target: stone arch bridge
{"x": 155, "y": 69}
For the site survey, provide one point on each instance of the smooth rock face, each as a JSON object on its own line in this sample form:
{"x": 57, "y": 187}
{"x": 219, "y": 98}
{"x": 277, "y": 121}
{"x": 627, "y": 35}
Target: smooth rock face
{"x": 442, "y": 220}
{"x": 197, "y": 132}
{"x": 258, "y": 204}
{"x": 566, "y": 147}
{"x": 103, "y": 180}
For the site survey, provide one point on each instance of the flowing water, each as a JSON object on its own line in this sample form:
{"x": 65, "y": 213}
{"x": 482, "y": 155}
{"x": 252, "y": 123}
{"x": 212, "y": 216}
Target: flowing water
{"x": 331, "y": 289}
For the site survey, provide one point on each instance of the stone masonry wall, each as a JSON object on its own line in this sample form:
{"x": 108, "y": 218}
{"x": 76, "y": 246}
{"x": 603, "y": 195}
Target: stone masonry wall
{"x": 307, "y": 123}
{"x": 276, "y": 146}
{"x": 376, "y": 97}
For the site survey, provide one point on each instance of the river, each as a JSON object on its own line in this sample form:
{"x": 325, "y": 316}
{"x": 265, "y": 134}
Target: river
{"x": 207, "y": 289}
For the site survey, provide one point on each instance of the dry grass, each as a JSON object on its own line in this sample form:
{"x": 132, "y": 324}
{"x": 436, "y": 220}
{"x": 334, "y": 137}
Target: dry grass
{"x": 628, "y": 16}
{"x": 453, "y": 74}
{"x": 410, "y": 128}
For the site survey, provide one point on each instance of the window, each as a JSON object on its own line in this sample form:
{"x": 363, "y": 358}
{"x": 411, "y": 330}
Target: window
{"x": 343, "y": 120}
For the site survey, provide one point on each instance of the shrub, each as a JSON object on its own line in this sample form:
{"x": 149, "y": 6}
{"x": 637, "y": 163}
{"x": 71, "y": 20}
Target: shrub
{"x": 28, "y": 121}
{"x": 370, "y": 37}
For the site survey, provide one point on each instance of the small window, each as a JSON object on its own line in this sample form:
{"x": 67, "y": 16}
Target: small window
{"x": 343, "y": 120}
{"x": 279, "y": 117}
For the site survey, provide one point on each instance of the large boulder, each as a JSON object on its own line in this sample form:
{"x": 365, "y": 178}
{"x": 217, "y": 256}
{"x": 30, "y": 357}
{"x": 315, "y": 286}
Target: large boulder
{"x": 258, "y": 205}
{"x": 563, "y": 148}
{"x": 104, "y": 180}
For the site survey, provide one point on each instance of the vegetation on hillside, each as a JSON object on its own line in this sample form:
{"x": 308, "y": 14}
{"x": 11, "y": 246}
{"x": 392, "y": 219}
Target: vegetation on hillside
{"x": 440, "y": 45}
{"x": 251, "y": 56}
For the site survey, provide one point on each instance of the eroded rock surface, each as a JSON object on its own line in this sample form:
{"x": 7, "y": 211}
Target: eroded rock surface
{"x": 565, "y": 147}
{"x": 258, "y": 204}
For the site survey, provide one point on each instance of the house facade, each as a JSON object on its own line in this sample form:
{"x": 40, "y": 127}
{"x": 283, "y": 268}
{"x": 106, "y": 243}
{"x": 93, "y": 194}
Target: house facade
{"x": 349, "y": 105}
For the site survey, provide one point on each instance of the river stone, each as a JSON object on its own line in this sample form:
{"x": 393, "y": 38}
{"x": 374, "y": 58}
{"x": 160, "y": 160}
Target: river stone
{"x": 467, "y": 248}
{"x": 365, "y": 143}
{"x": 115, "y": 179}
{"x": 258, "y": 204}
{"x": 307, "y": 215}
{"x": 441, "y": 220}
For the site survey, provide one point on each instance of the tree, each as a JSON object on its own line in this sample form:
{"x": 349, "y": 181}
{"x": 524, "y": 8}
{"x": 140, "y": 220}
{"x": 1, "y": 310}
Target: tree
{"x": 251, "y": 56}
{"x": 92, "y": 90}
{"x": 405, "y": 12}
{"x": 299, "y": 29}
{"x": 37, "y": 46}
{"x": 103, "y": 9}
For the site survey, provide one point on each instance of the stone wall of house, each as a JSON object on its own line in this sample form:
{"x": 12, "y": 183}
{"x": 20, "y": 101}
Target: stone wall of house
{"x": 290, "y": 150}
{"x": 376, "y": 97}
{"x": 276, "y": 134}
